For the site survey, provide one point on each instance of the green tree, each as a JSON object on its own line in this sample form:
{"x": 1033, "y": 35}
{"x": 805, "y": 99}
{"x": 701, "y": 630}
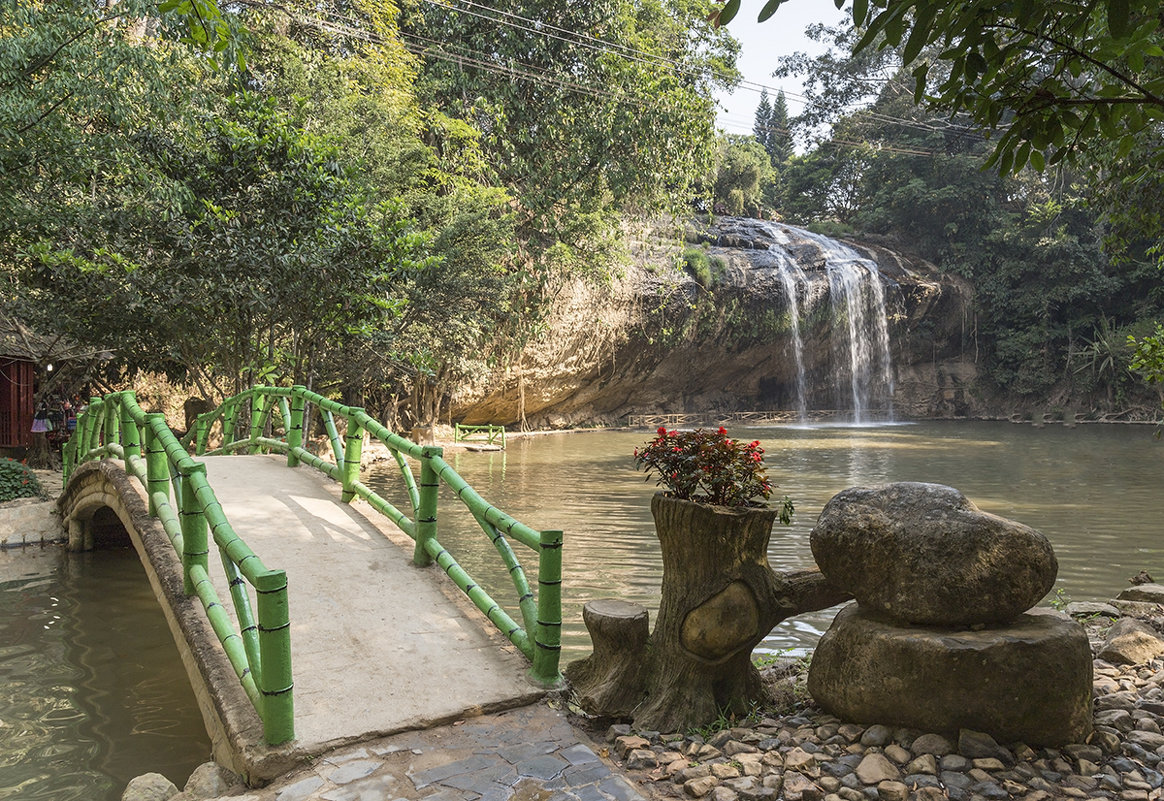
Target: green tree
{"x": 277, "y": 261}
{"x": 779, "y": 142}
{"x": 1051, "y": 78}
{"x": 743, "y": 169}
{"x": 357, "y": 84}
{"x": 763, "y": 119}
{"x": 772, "y": 127}
{"x": 1031, "y": 243}
{"x": 576, "y": 125}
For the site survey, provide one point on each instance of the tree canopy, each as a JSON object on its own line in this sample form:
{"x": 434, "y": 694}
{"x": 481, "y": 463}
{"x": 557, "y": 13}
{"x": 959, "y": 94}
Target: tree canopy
{"x": 373, "y": 202}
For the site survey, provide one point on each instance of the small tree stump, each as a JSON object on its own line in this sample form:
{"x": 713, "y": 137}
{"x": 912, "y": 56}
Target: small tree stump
{"x": 610, "y": 681}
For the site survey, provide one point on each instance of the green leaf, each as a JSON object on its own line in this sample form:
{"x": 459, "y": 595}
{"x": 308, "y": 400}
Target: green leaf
{"x": 919, "y": 78}
{"x": 727, "y": 13}
{"x": 920, "y": 34}
{"x": 1117, "y": 18}
{"x": 769, "y": 9}
{"x": 1037, "y": 160}
{"x": 860, "y": 12}
{"x": 879, "y": 24}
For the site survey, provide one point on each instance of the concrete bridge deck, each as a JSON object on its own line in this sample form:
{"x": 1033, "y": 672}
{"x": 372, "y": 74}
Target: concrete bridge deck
{"x": 378, "y": 646}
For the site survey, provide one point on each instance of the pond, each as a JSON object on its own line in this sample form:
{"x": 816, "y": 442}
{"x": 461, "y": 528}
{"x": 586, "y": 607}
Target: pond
{"x": 1094, "y": 490}
{"x": 92, "y": 691}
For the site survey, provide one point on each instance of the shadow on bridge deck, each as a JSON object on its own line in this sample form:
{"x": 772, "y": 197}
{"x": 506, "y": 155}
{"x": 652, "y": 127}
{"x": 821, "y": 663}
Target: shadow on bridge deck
{"x": 378, "y": 646}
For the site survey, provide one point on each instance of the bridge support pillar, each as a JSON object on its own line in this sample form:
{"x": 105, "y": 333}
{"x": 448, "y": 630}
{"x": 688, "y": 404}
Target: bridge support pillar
{"x": 80, "y": 535}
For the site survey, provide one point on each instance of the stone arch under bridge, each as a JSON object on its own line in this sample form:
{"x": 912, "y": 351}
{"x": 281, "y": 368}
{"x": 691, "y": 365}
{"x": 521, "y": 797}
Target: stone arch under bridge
{"x": 102, "y": 505}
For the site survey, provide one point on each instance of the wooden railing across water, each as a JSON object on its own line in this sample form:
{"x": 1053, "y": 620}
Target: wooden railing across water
{"x": 248, "y": 422}
{"x": 487, "y": 434}
{"x": 259, "y": 649}
{"x": 717, "y": 418}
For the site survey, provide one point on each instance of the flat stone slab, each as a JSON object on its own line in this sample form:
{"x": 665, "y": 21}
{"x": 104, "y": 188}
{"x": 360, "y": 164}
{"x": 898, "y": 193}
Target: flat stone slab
{"x": 1027, "y": 681}
{"x": 378, "y": 646}
{"x": 530, "y": 753}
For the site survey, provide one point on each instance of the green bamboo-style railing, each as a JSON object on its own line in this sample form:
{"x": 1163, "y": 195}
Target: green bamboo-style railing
{"x": 260, "y": 649}
{"x": 539, "y": 635}
{"x": 488, "y": 434}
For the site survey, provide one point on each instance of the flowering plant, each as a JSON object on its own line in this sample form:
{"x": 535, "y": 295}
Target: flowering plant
{"x": 709, "y": 466}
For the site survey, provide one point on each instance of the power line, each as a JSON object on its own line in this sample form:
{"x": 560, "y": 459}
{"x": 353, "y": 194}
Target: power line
{"x": 420, "y": 46}
{"x": 534, "y": 27}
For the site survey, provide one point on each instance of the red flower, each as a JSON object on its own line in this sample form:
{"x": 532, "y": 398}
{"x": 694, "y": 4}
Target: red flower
{"x": 661, "y": 431}
{"x": 706, "y": 465}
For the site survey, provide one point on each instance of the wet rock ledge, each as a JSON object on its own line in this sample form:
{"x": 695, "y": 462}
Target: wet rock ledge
{"x": 813, "y": 756}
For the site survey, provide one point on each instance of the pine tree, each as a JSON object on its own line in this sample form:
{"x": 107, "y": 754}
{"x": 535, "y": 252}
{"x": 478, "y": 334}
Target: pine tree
{"x": 761, "y": 127}
{"x": 779, "y": 140}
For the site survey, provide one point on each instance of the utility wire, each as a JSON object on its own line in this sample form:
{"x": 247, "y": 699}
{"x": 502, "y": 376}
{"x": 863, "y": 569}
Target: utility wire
{"x": 534, "y": 74}
{"x": 535, "y": 27}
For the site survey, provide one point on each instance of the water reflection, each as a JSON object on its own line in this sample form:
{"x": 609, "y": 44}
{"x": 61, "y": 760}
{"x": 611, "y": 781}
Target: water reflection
{"x": 92, "y": 691}
{"x": 1092, "y": 490}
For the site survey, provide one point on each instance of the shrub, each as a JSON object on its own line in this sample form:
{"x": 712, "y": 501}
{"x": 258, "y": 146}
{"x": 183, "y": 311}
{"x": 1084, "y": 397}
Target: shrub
{"x": 709, "y": 466}
{"x": 698, "y": 266}
{"x": 17, "y": 481}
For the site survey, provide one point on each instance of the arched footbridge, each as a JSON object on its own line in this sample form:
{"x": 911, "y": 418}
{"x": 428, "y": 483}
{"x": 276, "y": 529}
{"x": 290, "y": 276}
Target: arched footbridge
{"x": 303, "y": 620}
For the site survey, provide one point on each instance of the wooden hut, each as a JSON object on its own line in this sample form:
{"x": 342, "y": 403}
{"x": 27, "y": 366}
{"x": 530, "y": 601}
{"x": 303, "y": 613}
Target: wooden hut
{"x": 17, "y": 386}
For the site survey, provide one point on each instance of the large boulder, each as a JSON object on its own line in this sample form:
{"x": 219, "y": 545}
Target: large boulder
{"x": 924, "y": 554}
{"x": 1029, "y": 681}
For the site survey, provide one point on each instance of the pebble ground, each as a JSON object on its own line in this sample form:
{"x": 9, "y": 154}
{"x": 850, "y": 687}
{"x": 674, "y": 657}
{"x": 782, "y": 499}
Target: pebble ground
{"x": 810, "y": 756}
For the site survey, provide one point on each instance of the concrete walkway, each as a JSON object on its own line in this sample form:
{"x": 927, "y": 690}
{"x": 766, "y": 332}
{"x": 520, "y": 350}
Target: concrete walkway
{"x": 378, "y": 646}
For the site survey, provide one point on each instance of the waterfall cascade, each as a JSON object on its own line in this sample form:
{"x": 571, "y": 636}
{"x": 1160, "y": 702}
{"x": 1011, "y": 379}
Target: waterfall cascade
{"x": 858, "y": 329}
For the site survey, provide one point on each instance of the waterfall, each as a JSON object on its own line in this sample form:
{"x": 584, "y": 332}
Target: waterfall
{"x": 857, "y": 297}
{"x": 791, "y": 278}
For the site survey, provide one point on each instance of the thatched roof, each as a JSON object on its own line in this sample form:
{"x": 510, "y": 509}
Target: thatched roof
{"x": 18, "y": 341}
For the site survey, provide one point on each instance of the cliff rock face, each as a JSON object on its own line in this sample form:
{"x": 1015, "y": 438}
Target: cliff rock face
{"x": 788, "y": 320}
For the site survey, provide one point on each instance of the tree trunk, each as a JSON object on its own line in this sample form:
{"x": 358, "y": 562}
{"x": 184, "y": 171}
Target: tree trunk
{"x": 609, "y": 682}
{"x": 720, "y": 598}
{"x": 40, "y": 453}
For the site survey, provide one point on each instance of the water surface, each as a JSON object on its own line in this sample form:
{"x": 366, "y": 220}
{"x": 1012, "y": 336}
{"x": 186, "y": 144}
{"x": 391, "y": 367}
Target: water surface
{"x": 92, "y": 690}
{"x": 1093, "y": 490}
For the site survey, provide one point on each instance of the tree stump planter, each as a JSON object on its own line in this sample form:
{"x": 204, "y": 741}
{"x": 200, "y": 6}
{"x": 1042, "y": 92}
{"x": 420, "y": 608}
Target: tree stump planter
{"x": 720, "y": 598}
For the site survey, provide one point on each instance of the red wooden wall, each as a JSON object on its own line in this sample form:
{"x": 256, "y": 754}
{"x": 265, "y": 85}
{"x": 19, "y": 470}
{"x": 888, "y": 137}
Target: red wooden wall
{"x": 16, "y": 387}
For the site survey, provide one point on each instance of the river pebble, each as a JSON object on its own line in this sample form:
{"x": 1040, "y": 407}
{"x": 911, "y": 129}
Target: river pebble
{"x": 812, "y": 756}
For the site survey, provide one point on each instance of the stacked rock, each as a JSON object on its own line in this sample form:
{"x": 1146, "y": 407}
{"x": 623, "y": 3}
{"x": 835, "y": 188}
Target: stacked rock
{"x": 943, "y": 636}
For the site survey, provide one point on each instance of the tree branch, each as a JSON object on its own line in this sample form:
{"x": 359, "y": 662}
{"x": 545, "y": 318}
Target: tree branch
{"x": 30, "y": 71}
{"x": 1127, "y": 80}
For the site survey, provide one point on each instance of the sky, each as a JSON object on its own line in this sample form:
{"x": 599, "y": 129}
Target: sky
{"x": 762, "y": 44}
